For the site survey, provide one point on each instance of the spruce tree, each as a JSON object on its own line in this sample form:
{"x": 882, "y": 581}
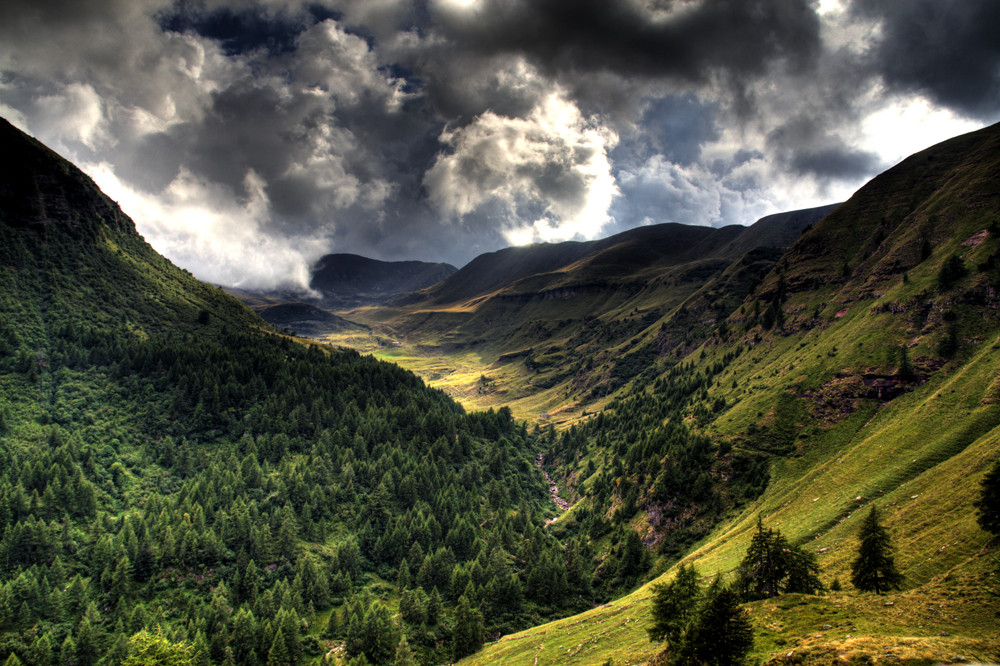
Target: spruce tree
{"x": 378, "y": 634}
{"x": 278, "y": 654}
{"x": 988, "y": 503}
{"x": 468, "y": 630}
{"x": 404, "y": 655}
{"x": 773, "y": 566}
{"x": 673, "y": 604}
{"x": 874, "y": 569}
{"x": 720, "y": 634}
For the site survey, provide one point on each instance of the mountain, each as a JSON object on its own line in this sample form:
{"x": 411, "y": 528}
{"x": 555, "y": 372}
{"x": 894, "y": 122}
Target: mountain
{"x": 348, "y": 280}
{"x": 861, "y": 371}
{"x": 557, "y": 329}
{"x": 178, "y": 478}
{"x": 306, "y": 319}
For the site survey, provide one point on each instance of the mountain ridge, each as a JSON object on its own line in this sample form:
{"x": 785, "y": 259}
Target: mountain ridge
{"x": 559, "y": 328}
{"x": 863, "y": 370}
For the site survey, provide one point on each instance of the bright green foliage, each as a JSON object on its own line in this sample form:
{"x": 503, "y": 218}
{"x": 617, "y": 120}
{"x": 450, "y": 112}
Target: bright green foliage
{"x": 467, "y": 629}
{"x": 151, "y": 649}
{"x": 404, "y": 655}
{"x": 874, "y": 569}
{"x": 773, "y": 566}
{"x": 989, "y": 501}
{"x": 673, "y": 605}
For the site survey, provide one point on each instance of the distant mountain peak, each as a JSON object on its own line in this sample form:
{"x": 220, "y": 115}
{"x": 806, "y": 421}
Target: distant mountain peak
{"x": 349, "y": 280}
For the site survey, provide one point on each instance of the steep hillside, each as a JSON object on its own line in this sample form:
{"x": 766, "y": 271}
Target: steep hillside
{"x": 861, "y": 371}
{"x": 177, "y": 478}
{"x": 555, "y": 329}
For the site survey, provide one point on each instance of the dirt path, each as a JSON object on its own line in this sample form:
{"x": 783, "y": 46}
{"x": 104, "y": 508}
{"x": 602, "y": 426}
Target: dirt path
{"x": 553, "y": 488}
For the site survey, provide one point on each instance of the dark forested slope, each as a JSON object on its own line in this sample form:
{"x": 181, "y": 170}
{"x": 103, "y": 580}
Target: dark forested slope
{"x": 173, "y": 473}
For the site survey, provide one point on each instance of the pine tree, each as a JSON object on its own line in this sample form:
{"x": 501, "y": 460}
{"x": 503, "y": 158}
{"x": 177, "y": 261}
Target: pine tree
{"x": 720, "y": 634}
{"x": 67, "y": 652}
{"x": 432, "y": 611}
{"x": 333, "y": 625}
{"x": 874, "y": 569}
{"x": 378, "y": 634}
{"x": 468, "y": 630}
{"x": 404, "y": 655}
{"x": 673, "y": 605}
{"x": 278, "y": 654}
{"x": 773, "y": 566}
{"x": 988, "y": 503}
{"x": 40, "y": 652}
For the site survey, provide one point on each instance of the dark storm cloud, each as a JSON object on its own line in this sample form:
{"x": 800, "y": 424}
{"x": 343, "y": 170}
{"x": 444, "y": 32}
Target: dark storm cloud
{"x": 685, "y": 40}
{"x": 949, "y": 51}
{"x": 804, "y": 145}
{"x": 250, "y": 136}
{"x": 835, "y": 162}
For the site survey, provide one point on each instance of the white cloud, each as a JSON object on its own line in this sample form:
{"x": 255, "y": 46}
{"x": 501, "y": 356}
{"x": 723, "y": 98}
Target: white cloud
{"x": 909, "y": 124}
{"x": 76, "y": 113}
{"x": 662, "y": 191}
{"x": 553, "y": 162}
{"x": 220, "y": 237}
{"x": 334, "y": 62}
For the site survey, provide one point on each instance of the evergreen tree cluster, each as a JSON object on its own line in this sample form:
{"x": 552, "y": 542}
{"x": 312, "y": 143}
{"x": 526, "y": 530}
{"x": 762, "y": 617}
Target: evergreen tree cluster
{"x": 641, "y": 455}
{"x": 773, "y": 566}
{"x": 700, "y": 625}
{"x": 217, "y": 486}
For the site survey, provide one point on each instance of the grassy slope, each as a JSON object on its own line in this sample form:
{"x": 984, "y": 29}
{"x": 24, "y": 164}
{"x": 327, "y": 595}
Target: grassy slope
{"x": 553, "y": 330}
{"x": 920, "y": 457}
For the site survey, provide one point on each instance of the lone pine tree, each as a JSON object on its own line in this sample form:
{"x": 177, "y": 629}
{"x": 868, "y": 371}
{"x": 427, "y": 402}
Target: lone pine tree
{"x": 468, "y": 631}
{"x": 988, "y": 503}
{"x": 874, "y": 569}
{"x": 720, "y": 634}
{"x": 773, "y": 566}
{"x": 673, "y": 605}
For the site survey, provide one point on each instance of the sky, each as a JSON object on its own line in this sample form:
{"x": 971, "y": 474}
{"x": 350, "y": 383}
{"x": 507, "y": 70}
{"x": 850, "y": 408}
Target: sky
{"x": 248, "y": 138}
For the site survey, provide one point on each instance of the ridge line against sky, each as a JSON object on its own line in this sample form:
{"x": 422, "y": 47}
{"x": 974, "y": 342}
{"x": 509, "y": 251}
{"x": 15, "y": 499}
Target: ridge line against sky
{"x": 248, "y": 138}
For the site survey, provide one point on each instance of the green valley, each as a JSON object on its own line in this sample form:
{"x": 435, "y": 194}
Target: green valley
{"x": 871, "y": 382}
{"x": 553, "y": 330}
{"x": 180, "y": 479}
{"x": 182, "y": 482}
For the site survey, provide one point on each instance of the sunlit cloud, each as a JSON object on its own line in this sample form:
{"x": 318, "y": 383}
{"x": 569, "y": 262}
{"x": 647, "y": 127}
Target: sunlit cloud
{"x": 553, "y": 161}
{"x": 220, "y": 234}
